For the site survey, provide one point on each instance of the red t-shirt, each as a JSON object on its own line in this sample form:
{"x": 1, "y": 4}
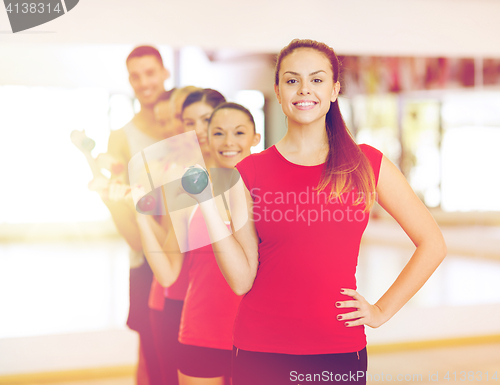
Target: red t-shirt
{"x": 308, "y": 251}
{"x": 156, "y": 296}
{"x": 179, "y": 288}
{"x": 177, "y": 291}
{"x": 210, "y": 306}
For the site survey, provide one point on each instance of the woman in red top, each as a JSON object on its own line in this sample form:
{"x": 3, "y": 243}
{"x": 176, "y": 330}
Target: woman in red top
{"x": 210, "y": 305}
{"x": 307, "y": 200}
{"x": 188, "y": 109}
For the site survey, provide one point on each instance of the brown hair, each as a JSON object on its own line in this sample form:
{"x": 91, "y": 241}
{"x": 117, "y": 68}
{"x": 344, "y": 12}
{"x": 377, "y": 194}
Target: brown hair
{"x": 183, "y": 92}
{"x": 233, "y": 106}
{"x": 207, "y": 95}
{"x": 145, "y": 50}
{"x": 346, "y": 166}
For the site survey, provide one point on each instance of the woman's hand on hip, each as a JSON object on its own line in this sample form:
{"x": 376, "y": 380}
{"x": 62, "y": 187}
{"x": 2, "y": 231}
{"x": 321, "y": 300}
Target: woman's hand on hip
{"x": 365, "y": 313}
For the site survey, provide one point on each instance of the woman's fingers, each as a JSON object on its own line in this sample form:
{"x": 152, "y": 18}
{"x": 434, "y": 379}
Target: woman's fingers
{"x": 118, "y": 191}
{"x": 349, "y": 316}
{"x": 362, "y": 316}
{"x": 358, "y": 322}
{"x": 351, "y": 293}
{"x": 358, "y": 301}
{"x": 354, "y": 304}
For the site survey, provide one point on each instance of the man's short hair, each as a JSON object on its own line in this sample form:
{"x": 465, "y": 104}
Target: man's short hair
{"x": 145, "y": 50}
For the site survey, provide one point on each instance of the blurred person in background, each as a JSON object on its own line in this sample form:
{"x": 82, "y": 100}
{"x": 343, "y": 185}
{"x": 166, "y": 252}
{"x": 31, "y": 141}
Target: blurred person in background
{"x": 195, "y": 114}
{"x": 146, "y": 76}
{"x": 166, "y": 303}
{"x": 210, "y": 305}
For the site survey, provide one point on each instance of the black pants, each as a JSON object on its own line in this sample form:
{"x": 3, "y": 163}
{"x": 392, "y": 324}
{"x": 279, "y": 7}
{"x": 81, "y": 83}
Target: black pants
{"x": 165, "y": 326}
{"x": 202, "y": 362}
{"x": 138, "y": 319}
{"x": 250, "y": 368}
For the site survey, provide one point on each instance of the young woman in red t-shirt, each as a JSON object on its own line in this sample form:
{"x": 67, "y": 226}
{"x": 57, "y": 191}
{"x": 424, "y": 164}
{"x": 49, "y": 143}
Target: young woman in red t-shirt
{"x": 210, "y": 305}
{"x": 307, "y": 201}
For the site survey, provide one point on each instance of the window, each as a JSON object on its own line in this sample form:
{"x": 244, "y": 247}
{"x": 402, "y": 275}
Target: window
{"x": 44, "y": 176}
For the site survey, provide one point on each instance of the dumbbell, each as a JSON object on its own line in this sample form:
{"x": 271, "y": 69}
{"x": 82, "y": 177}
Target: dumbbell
{"x": 87, "y": 144}
{"x": 146, "y": 203}
{"x": 194, "y": 180}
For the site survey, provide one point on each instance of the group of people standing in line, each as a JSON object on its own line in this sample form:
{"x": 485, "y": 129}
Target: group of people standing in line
{"x": 268, "y": 301}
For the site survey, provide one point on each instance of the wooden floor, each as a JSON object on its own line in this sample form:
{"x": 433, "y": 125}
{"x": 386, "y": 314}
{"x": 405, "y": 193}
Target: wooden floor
{"x": 109, "y": 381}
{"x": 462, "y": 299}
{"x": 418, "y": 365}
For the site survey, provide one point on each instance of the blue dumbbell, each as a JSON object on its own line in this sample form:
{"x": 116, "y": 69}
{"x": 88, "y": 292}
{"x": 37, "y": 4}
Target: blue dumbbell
{"x": 88, "y": 144}
{"x": 194, "y": 180}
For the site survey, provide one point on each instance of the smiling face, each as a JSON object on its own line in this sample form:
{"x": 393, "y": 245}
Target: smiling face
{"x": 231, "y": 135}
{"x": 306, "y": 86}
{"x": 146, "y": 76}
{"x": 195, "y": 117}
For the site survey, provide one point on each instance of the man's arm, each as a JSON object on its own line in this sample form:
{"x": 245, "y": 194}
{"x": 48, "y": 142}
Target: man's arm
{"x": 122, "y": 213}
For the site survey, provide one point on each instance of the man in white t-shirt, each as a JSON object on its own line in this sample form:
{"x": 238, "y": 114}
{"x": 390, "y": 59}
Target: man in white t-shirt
{"x": 147, "y": 76}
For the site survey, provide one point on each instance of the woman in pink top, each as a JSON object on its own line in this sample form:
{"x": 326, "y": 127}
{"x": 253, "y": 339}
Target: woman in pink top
{"x": 210, "y": 305}
{"x": 307, "y": 200}
{"x": 166, "y": 303}
{"x": 176, "y": 111}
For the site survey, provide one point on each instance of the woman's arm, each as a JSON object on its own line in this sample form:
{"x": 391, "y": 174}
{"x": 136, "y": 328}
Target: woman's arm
{"x": 398, "y": 199}
{"x": 161, "y": 248}
{"x": 160, "y": 229}
{"x": 237, "y": 255}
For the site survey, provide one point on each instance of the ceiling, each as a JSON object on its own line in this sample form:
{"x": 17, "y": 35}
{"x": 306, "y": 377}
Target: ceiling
{"x": 371, "y": 27}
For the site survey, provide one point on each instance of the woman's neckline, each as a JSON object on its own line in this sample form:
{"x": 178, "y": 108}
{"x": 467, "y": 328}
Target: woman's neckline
{"x": 291, "y": 163}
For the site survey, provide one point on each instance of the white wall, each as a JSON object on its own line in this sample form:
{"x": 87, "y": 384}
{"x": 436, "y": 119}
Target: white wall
{"x": 388, "y": 27}
{"x": 68, "y": 65}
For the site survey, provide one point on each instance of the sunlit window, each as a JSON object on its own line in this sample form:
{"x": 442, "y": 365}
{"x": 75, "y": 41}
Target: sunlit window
{"x": 254, "y": 101}
{"x": 470, "y": 152}
{"x": 421, "y": 161}
{"x": 121, "y": 110}
{"x": 44, "y": 175}
{"x": 470, "y": 169}
{"x": 375, "y": 118}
